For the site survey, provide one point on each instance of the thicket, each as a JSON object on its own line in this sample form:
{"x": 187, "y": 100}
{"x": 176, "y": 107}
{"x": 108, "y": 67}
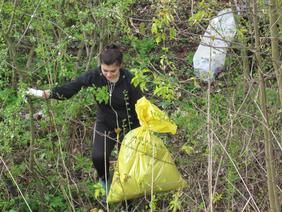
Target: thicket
{"x": 46, "y": 163}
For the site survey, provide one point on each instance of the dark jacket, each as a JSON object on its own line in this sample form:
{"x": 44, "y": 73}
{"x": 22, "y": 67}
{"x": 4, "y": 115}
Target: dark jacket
{"x": 115, "y": 113}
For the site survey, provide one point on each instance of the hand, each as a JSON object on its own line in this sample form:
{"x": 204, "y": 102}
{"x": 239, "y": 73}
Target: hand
{"x": 38, "y": 93}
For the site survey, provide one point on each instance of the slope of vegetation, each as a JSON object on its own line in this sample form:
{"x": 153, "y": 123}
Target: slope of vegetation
{"x": 46, "y": 162}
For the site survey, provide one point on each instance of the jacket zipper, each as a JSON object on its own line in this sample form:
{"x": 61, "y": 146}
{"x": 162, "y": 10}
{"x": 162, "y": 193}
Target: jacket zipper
{"x": 112, "y": 87}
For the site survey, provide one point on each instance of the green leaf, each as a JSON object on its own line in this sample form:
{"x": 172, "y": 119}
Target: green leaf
{"x": 99, "y": 190}
{"x": 187, "y": 149}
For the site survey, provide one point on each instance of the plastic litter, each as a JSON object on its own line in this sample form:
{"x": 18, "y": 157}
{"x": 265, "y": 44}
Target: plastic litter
{"x": 209, "y": 58}
{"x": 144, "y": 162}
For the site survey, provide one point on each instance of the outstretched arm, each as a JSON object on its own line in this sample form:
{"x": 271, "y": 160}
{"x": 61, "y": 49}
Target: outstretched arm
{"x": 65, "y": 91}
{"x": 69, "y": 89}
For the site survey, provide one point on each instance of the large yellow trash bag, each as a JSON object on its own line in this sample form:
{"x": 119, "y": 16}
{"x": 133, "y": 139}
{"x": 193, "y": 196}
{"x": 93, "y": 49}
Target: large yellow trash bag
{"x": 143, "y": 160}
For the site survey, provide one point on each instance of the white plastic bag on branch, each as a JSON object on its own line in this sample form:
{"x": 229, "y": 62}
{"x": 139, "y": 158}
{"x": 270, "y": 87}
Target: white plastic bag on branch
{"x": 210, "y": 55}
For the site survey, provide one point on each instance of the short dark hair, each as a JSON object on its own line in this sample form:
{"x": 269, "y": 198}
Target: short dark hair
{"x": 110, "y": 55}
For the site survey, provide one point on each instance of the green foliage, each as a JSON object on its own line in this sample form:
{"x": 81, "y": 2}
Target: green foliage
{"x": 189, "y": 118}
{"x": 99, "y": 190}
{"x": 55, "y": 202}
{"x": 66, "y": 37}
{"x": 12, "y": 129}
{"x": 101, "y": 94}
{"x": 175, "y": 203}
{"x": 162, "y": 24}
{"x": 164, "y": 88}
{"x": 201, "y": 14}
{"x": 201, "y": 205}
{"x": 143, "y": 46}
{"x": 232, "y": 176}
{"x": 83, "y": 163}
{"x": 153, "y": 203}
{"x": 189, "y": 58}
{"x": 4, "y": 74}
{"x": 197, "y": 17}
{"x": 141, "y": 78}
{"x": 187, "y": 149}
{"x": 216, "y": 197}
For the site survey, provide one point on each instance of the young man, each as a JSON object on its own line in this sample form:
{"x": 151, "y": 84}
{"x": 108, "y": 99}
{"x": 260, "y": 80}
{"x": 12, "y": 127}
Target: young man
{"x": 116, "y": 115}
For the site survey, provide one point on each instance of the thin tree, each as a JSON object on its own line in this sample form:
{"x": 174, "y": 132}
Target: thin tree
{"x": 271, "y": 182}
{"x": 275, "y": 49}
{"x": 274, "y": 32}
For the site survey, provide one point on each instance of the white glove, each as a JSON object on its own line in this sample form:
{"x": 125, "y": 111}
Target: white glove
{"x": 36, "y": 93}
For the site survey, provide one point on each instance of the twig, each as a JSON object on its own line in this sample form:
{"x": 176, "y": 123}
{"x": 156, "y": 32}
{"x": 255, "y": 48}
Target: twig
{"x": 233, "y": 163}
{"x": 29, "y": 23}
{"x": 210, "y": 141}
{"x": 152, "y": 179}
{"x": 32, "y": 137}
{"x": 246, "y": 205}
{"x": 52, "y": 119}
{"x": 106, "y": 166}
{"x": 200, "y": 188}
{"x": 15, "y": 183}
{"x": 12, "y": 19}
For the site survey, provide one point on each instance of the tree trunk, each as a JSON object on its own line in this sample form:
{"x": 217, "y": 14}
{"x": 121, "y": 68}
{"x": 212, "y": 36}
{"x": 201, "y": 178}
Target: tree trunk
{"x": 271, "y": 181}
{"x": 275, "y": 49}
{"x": 274, "y": 31}
{"x": 210, "y": 142}
{"x": 246, "y": 65}
{"x": 243, "y": 50}
{"x": 13, "y": 58}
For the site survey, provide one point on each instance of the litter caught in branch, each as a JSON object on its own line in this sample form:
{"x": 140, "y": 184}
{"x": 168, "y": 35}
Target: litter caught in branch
{"x": 209, "y": 58}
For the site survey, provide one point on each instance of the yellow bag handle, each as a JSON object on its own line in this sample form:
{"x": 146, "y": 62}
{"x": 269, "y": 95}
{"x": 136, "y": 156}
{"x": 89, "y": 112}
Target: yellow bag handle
{"x": 152, "y": 118}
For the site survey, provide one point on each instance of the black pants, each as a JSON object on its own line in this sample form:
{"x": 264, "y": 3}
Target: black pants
{"x": 104, "y": 141}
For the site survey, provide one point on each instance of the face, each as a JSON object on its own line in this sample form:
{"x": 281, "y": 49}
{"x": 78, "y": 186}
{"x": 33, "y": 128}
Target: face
{"x": 111, "y": 72}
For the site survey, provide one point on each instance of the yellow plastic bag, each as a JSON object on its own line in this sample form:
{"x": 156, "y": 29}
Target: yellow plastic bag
{"x": 143, "y": 159}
